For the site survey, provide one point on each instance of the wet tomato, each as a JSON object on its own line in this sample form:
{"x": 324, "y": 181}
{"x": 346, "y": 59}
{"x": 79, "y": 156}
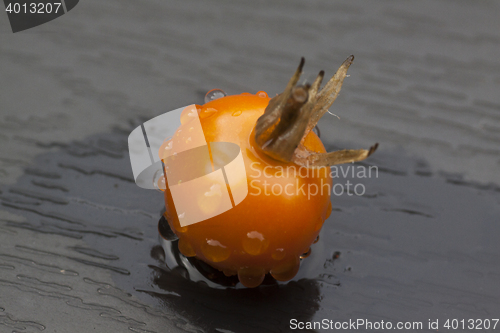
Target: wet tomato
{"x": 287, "y": 177}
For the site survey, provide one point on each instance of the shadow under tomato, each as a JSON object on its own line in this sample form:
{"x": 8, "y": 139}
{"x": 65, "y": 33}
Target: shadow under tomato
{"x": 267, "y": 308}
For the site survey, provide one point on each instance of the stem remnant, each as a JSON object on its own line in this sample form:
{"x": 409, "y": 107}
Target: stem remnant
{"x": 289, "y": 117}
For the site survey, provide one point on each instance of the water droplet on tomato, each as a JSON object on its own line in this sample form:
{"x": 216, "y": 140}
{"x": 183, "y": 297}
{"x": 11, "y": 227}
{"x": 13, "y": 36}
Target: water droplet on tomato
{"x": 168, "y": 145}
{"x": 262, "y": 94}
{"x": 255, "y": 243}
{"x": 159, "y": 181}
{"x": 177, "y": 225}
{"x": 214, "y": 251}
{"x": 214, "y": 190}
{"x": 306, "y": 254}
{"x": 186, "y": 248}
{"x": 278, "y": 254}
{"x": 236, "y": 113}
{"x": 207, "y": 112}
{"x": 251, "y": 277}
{"x": 214, "y": 94}
{"x": 286, "y": 270}
{"x": 161, "y": 184}
{"x": 187, "y": 115}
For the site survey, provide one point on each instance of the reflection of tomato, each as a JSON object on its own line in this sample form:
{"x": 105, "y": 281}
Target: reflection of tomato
{"x": 286, "y": 204}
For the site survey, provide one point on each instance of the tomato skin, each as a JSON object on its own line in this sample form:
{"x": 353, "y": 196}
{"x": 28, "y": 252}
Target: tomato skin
{"x": 263, "y": 233}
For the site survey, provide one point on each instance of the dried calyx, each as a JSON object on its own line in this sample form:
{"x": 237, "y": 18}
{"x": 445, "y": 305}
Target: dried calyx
{"x": 280, "y": 132}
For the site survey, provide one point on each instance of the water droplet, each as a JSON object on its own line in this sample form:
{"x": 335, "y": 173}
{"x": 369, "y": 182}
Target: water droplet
{"x": 237, "y": 113}
{"x": 168, "y": 146}
{"x": 262, "y": 94}
{"x": 214, "y": 94}
{"x": 161, "y": 184}
{"x": 278, "y": 254}
{"x": 214, "y": 190}
{"x": 286, "y": 270}
{"x": 188, "y": 114}
{"x": 214, "y": 251}
{"x": 316, "y": 240}
{"x": 177, "y": 225}
{"x": 159, "y": 181}
{"x": 306, "y": 254}
{"x": 207, "y": 112}
{"x": 251, "y": 277}
{"x": 255, "y": 243}
{"x": 186, "y": 248}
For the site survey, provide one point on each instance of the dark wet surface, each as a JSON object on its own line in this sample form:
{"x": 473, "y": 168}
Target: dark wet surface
{"x": 79, "y": 248}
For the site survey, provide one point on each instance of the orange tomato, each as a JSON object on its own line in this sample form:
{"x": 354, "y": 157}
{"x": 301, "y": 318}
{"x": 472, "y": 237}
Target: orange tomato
{"x": 282, "y": 214}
